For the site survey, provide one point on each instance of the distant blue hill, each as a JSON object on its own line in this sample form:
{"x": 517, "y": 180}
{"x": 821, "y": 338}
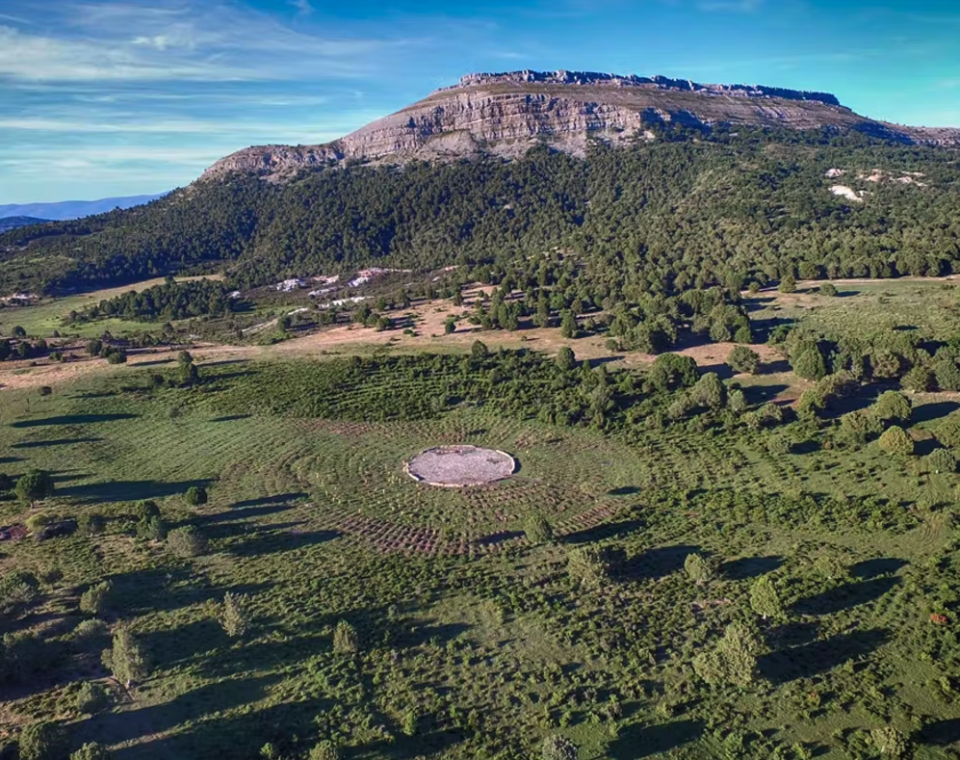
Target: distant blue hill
{"x": 73, "y": 209}
{"x": 12, "y": 222}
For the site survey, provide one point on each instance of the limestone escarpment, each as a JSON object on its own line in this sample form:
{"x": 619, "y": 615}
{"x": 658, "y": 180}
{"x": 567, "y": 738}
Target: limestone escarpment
{"x": 507, "y": 114}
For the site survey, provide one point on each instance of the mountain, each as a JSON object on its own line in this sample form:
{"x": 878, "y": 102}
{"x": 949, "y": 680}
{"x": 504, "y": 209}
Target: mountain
{"x": 13, "y": 222}
{"x": 63, "y": 210}
{"x": 506, "y": 114}
{"x": 663, "y": 186}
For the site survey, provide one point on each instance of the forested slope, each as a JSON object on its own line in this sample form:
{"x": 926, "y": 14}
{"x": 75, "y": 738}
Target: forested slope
{"x": 687, "y": 209}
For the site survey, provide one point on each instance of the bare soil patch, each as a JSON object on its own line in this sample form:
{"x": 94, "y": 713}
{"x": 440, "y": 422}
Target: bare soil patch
{"x": 460, "y": 466}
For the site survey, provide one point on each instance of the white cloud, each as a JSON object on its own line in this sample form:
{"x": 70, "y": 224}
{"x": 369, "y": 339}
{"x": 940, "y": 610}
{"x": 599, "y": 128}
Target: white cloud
{"x": 303, "y": 6}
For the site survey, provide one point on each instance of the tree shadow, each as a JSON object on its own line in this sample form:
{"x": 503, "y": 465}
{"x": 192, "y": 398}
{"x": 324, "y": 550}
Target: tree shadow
{"x": 873, "y": 568}
{"x": 494, "y": 539}
{"x": 746, "y": 568}
{"x": 278, "y": 541}
{"x": 845, "y": 597}
{"x": 156, "y": 362}
{"x": 603, "y": 532}
{"x": 180, "y": 645}
{"x": 423, "y": 634}
{"x": 56, "y": 442}
{"x": 10, "y": 460}
{"x": 263, "y": 501}
{"x": 723, "y": 370}
{"x": 763, "y": 394}
{"x": 636, "y": 741}
{"x": 942, "y": 732}
{"x": 232, "y": 418}
{"x": 165, "y": 589}
{"x": 656, "y": 563}
{"x": 127, "y": 490}
{"x": 818, "y": 657}
{"x": 73, "y": 419}
{"x": 624, "y": 491}
{"x": 930, "y": 412}
{"x": 239, "y": 515}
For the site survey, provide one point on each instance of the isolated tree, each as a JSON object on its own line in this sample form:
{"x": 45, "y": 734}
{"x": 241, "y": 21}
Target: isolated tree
{"x": 449, "y": 325}
{"x": 127, "y": 659}
{"x": 43, "y": 741}
{"x": 566, "y": 359}
{"x": 537, "y": 529}
{"x": 558, "y": 747}
{"x": 892, "y": 407}
{"x": 233, "y": 615}
{"x": 34, "y": 486}
{"x": 765, "y": 599}
{"x": 19, "y": 332}
{"x": 196, "y": 496}
{"x": 46, "y": 390}
{"x": 742, "y": 359}
{"x": 479, "y": 351}
{"x": 568, "y": 325}
{"x": 828, "y": 289}
{"x": 947, "y": 375}
{"x": 588, "y": 565}
{"x": 710, "y": 391}
{"x": 896, "y": 441}
{"x": 732, "y": 660}
{"x": 672, "y": 371}
{"x": 698, "y": 569}
{"x": 346, "y": 640}
{"x": 737, "y": 401}
{"x": 920, "y": 379}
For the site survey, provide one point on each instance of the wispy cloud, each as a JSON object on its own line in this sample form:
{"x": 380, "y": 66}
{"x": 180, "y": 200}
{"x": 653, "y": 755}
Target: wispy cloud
{"x": 302, "y": 6}
{"x": 730, "y": 6}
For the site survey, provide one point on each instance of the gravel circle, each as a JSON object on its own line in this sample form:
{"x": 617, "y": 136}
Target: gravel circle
{"x": 459, "y": 466}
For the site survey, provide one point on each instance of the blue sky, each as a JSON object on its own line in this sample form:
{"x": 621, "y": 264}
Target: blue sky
{"x": 119, "y": 98}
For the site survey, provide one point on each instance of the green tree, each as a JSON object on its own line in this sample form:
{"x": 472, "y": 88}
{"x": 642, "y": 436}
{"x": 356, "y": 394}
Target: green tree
{"x": 34, "y": 486}
{"x": 588, "y": 565}
{"x": 556, "y": 747}
{"x": 896, "y": 441}
{"x": 809, "y": 364}
{"x": 186, "y": 542}
{"x": 744, "y": 360}
{"x": 92, "y": 698}
{"x": 890, "y": 742}
{"x": 892, "y": 407}
{"x": 828, "y": 289}
{"x": 672, "y": 371}
{"x": 449, "y": 325}
{"x": 566, "y": 359}
{"x": 325, "y": 750}
{"x": 233, "y": 615}
{"x": 93, "y": 601}
{"x": 196, "y": 496}
{"x": 537, "y": 529}
{"x": 947, "y": 375}
{"x": 942, "y": 460}
{"x": 127, "y": 659}
{"x": 732, "y": 660}
{"x": 710, "y": 392}
{"x": 346, "y": 640}
{"x": 920, "y": 379}
{"x": 43, "y": 741}
{"x": 479, "y": 351}
{"x": 765, "y": 599}
{"x": 788, "y": 284}
{"x": 698, "y": 569}
{"x": 568, "y": 325}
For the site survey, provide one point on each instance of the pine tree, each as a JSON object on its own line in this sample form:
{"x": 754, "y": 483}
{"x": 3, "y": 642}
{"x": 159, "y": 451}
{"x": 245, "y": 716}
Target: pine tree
{"x": 764, "y": 598}
{"x": 127, "y": 660}
{"x": 233, "y": 615}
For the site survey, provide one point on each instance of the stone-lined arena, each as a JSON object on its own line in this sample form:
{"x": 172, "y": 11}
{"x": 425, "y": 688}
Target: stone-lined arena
{"x": 460, "y": 466}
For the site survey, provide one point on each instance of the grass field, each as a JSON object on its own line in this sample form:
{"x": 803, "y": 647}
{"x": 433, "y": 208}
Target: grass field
{"x": 476, "y": 642}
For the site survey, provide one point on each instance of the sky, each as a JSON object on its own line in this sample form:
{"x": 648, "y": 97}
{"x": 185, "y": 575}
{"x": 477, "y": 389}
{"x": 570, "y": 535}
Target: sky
{"x": 109, "y": 98}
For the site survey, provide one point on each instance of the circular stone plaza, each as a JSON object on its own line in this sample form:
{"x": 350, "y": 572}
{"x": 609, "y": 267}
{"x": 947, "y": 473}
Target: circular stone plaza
{"x": 460, "y": 466}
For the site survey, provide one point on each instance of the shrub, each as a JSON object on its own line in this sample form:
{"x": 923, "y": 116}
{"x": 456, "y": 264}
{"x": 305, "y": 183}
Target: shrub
{"x": 948, "y": 431}
{"x": 892, "y": 406}
{"x": 788, "y": 284}
{"x": 18, "y": 588}
{"x": 698, "y": 569}
{"x": 558, "y": 748}
{"x": 947, "y": 375}
{"x": 92, "y": 751}
{"x": 43, "y": 741}
{"x": 90, "y": 629}
{"x": 187, "y": 541}
{"x": 233, "y": 616}
{"x": 672, "y": 371}
{"x": 33, "y": 486}
{"x": 93, "y": 601}
{"x": 92, "y": 698}
{"x": 346, "y": 640}
{"x": 732, "y": 660}
{"x": 325, "y": 750}
{"x": 942, "y": 460}
{"x": 151, "y": 529}
{"x": 566, "y": 359}
{"x": 809, "y": 364}
{"x": 537, "y": 529}
{"x": 742, "y": 359}
{"x": 196, "y": 496}
{"x": 828, "y": 289}
{"x": 91, "y": 524}
{"x": 896, "y": 441}
{"x": 889, "y": 742}
{"x": 764, "y": 599}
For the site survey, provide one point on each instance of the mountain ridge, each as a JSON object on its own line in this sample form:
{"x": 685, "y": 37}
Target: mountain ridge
{"x": 66, "y": 210}
{"x": 506, "y": 114}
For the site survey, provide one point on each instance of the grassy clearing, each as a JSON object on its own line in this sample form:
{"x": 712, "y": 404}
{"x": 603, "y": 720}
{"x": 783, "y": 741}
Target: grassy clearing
{"x": 491, "y": 648}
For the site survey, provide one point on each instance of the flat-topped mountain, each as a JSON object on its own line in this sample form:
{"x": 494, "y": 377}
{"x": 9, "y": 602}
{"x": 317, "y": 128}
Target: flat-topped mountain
{"x": 507, "y": 114}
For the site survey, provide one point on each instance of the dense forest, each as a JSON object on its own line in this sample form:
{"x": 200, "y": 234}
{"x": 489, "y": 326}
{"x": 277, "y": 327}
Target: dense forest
{"x": 687, "y": 210}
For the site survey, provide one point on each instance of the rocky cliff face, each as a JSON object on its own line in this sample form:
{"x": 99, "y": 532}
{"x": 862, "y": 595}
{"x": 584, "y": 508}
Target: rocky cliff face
{"x": 506, "y": 114}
